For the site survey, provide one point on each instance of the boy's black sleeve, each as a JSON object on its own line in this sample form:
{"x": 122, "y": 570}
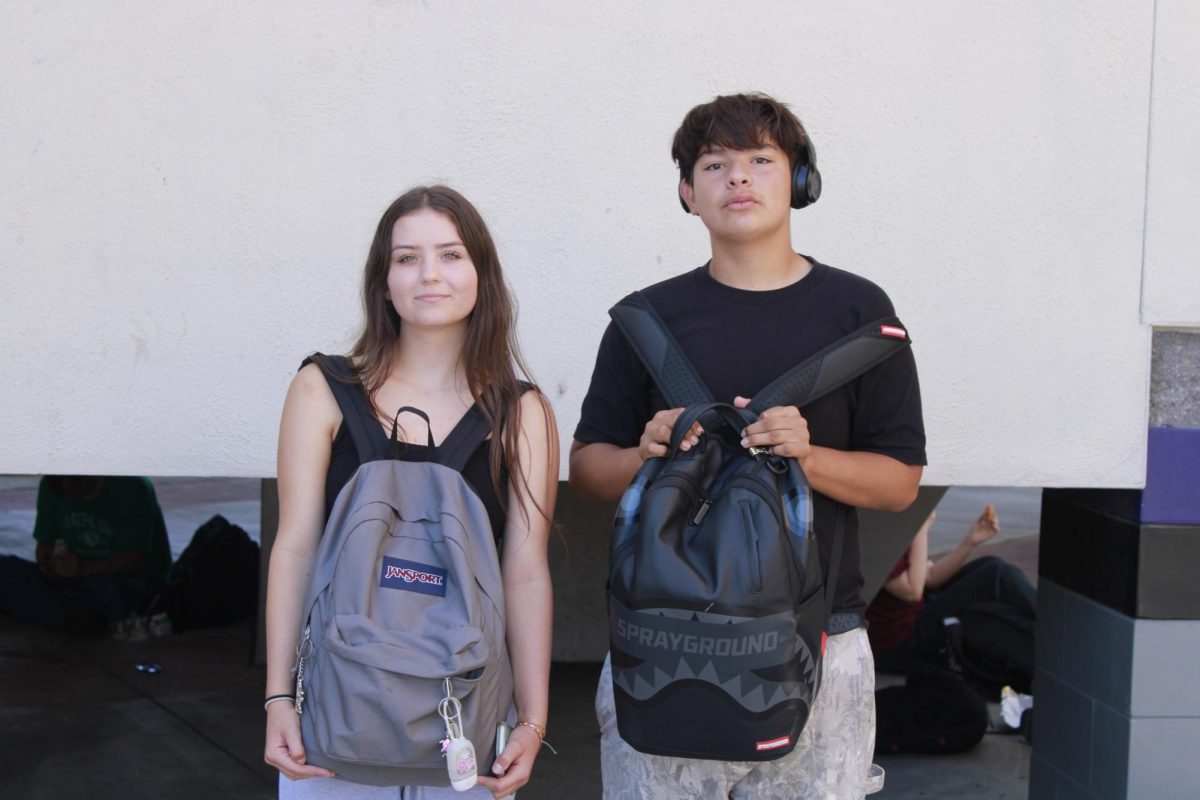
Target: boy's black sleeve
{"x": 617, "y": 406}
{"x": 887, "y": 415}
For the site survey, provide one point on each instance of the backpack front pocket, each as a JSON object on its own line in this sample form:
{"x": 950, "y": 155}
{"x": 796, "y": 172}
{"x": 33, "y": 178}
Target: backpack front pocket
{"x": 379, "y": 690}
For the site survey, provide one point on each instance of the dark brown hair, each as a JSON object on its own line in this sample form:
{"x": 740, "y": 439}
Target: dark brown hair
{"x": 490, "y": 355}
{"x": 738, "y": 122}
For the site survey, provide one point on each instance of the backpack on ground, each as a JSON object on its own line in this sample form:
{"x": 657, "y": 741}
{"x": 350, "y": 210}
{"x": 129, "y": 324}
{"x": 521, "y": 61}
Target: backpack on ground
{"x": 405, "y": 606}
{"x": 993, "y": 645}
{"x": 935, "y": 711}
{"x": 215, "y": 579}
{"x": 718, "y": 610}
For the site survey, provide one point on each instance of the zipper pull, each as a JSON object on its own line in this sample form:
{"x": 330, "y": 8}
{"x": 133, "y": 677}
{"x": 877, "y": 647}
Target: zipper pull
{"x": 703, "y": 510}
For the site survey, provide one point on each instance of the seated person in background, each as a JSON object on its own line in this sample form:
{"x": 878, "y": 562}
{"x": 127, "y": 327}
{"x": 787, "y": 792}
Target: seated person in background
{"x": 905, "y": 618}
{"x": 102, "y": 554}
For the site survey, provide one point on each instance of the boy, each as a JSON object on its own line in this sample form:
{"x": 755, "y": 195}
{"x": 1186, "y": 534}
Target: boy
{"x": 756, "y": 309}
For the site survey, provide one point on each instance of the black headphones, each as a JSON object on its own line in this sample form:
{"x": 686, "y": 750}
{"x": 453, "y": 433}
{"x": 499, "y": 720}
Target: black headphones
{"x": 806, "y": 179}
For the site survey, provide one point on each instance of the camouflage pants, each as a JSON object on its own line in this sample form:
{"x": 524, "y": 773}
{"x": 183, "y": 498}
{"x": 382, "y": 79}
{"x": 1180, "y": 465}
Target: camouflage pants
{"x": 831, "y": 761}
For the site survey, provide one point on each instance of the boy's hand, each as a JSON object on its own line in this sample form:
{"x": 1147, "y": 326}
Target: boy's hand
{"x": 657, "y": 435}
{"x": 781, "y": 428}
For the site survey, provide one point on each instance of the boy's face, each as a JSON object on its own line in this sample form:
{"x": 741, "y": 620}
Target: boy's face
{"x": 741, "y": 194}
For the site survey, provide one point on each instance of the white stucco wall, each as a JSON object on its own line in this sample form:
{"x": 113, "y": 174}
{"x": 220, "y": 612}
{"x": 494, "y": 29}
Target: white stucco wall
{"x": 1171, "y": 287}
{"x": 190, "y": 190}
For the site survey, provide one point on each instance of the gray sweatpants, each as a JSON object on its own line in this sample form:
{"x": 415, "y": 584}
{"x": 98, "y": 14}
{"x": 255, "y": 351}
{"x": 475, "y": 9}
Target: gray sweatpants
{"x": 336, "y": 789}
{"x": 831, "y": 761}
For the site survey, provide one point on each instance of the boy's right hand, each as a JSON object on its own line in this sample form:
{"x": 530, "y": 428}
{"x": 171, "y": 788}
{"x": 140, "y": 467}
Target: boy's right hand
{"x": 285, "y": 748}
{"x": 657, "y": 435}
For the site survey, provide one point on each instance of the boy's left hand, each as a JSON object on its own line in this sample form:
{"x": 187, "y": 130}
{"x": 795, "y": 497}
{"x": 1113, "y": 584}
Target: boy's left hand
{"x": 781, "y": 428}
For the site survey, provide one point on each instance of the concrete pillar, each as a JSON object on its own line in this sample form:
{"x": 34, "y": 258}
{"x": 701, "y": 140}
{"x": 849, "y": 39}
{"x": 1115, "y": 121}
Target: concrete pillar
{"x": 1117, "y": 702}
{"x": 268, "y": 522}
{"x": 579, "y": 568}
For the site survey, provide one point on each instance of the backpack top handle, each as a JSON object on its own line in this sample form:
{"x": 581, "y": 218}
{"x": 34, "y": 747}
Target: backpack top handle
{"x": 394, "y": 443}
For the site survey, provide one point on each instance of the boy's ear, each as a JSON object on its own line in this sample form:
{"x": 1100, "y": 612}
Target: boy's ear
{"x": 688, "y": 195}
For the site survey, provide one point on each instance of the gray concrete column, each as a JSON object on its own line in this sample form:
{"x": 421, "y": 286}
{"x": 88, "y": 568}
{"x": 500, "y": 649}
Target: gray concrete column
{"x": 1117, "y": 703}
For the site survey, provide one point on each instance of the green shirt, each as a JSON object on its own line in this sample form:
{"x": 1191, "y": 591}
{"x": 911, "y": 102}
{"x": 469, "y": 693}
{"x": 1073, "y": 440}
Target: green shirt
{"x": 124, "y": 518}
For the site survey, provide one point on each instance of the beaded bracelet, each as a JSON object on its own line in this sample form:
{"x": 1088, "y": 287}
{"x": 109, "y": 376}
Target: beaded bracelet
{"x": 275, "y": 698}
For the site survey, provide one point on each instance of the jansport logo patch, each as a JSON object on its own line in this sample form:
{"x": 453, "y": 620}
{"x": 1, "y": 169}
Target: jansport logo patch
{"x": 413, "y": 577}
{"x": 773, "y": 744}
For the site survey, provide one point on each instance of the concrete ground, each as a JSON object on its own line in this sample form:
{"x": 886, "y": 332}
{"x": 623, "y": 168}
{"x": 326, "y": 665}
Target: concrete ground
{"x": 78, "y": 719}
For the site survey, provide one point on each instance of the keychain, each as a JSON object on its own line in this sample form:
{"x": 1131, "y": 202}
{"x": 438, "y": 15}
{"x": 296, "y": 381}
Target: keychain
{"x": 457, "y": 748}
{"x": 303, "y": 650}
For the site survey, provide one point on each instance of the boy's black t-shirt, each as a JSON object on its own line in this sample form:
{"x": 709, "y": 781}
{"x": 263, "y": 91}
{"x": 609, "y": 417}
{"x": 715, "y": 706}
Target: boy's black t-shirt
{"x": 739, "y": 341}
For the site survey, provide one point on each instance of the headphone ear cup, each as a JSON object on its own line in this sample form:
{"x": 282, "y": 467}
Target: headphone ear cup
{"x": 800, "y": 186}
{"x": 812, "y": 186}
{"x": 806, "y": 179}
{"x": 806, "y": 185}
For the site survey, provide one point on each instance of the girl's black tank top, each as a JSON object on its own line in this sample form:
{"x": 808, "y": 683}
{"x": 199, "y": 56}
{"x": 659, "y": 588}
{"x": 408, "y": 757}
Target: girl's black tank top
{"x": 344, "y": 461}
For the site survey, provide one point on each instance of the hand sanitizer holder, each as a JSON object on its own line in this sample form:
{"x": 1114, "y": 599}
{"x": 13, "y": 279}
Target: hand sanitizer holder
{"x": 457, "y": 748}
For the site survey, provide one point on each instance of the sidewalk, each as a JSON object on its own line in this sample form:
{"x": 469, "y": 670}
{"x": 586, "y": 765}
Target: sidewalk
{"x": 79, "y": 720}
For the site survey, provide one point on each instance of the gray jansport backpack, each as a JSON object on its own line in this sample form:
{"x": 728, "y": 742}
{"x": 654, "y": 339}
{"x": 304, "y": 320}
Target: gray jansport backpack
{"x": 718, "y": 610}
{"x": 406, "y": 592}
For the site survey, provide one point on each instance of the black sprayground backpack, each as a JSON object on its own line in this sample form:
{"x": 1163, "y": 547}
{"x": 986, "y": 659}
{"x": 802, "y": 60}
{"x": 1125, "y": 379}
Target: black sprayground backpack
{"x": 718, "y": 610}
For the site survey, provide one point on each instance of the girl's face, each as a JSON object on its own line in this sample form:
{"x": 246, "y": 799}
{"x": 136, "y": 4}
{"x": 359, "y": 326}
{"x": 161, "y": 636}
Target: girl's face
{"x": 431, "y": 281}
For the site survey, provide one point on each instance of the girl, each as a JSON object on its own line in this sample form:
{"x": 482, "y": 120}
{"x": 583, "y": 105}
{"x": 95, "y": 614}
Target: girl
{"x": 438, "y": 336}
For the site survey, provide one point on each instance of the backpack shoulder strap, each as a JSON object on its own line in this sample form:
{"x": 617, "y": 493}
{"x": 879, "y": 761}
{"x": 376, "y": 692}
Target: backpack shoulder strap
{"x": 658, "y": 350}
{"x": 470, "y": 432}
{"x": 462, "y": 442}
{"x": 834, "y": 366}
{"x": 352, "y": 401}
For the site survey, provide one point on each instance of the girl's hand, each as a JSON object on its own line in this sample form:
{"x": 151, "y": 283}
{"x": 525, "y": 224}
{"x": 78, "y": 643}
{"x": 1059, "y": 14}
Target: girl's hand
{"x": 285, "y": 749}
{"x": 515, "y": 764}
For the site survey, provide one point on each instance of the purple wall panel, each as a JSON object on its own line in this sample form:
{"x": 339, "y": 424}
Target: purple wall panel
{"x": 1172, "y": 494}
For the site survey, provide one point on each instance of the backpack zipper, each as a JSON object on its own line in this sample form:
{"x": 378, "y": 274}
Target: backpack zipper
{"x": 769, "y": 494}
{"x": 750, "y": 534}
{"x": 693, "y": 493}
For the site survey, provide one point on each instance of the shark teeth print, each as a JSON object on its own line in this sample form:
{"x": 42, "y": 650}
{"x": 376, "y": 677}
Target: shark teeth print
{"x": 755, "y": 694}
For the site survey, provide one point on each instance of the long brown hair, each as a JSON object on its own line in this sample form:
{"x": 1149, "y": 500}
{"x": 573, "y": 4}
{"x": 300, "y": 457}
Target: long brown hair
{"x": 491, "y": 357}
